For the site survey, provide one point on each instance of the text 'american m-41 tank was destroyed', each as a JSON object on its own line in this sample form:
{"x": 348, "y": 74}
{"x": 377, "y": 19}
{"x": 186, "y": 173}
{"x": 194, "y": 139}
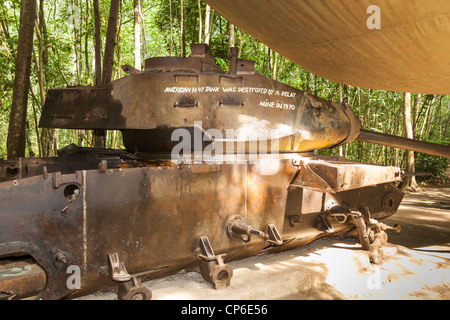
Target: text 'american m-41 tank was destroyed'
{"x": 218, "y": 166}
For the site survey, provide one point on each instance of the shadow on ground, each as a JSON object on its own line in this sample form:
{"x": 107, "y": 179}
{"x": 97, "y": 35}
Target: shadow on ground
{"x": 425, "y": 220}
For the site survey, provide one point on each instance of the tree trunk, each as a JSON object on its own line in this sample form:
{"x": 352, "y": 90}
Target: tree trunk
{"x": 98, "y": 44}
{"x": 200, "y": 22}
{"x": 119, "y": 43}
{"x": 43, "y": 30}
{"x": 416, "y": 111}
{"x": 46, "y": 136}
{"x": 231, "y": 38}
{"x": 137, "y": 35}
{"x": 86, "y": 46}
{"x": 275, "y": 65}
{"x": 171, "y": 27}
{"x": 209, "y": 14}
{"x": 75, "y": 7}
{"x": 430, "y": 121}
{"x": 17, "y": 123}
{"x": 425, "y": 118}
{"x": 98, "y": 135}
{"x": 410, "y": 182}
{"x": 144, "y": 36}
{"x": 108, "y": 61}
{"x": 182, "y": 31}
{"x": 110, "y": 43}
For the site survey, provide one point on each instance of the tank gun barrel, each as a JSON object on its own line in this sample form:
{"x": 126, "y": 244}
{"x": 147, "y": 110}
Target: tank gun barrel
{"x": 403, "y": 143}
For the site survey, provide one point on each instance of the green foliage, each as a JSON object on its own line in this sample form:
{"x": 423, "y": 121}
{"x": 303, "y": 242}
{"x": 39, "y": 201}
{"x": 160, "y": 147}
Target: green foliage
{"x": 433, "y": 164}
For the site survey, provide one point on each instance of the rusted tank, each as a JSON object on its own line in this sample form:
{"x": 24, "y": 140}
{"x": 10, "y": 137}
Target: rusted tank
{"x": 218, "y": 166}
{"x": 194, "y": 93}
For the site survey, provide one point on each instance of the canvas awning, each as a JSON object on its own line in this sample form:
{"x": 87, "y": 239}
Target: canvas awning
{"x": 330, "y": 38}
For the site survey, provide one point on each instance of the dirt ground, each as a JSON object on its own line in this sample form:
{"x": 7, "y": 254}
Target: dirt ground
{"x": 416, "y": 265}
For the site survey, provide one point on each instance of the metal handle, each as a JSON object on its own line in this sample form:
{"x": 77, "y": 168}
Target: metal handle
{"x": 185, "y": 104}
{"x": 231, "y": 103}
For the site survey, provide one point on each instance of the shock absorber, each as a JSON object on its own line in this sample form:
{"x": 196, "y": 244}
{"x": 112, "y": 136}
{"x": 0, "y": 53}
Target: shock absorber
{"x": 236, "y": 226}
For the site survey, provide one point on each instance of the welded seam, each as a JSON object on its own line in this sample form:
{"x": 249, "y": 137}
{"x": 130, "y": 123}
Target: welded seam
{"x": 84, "y": 223}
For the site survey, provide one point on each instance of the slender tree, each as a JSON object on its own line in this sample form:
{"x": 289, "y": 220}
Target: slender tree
{"x": 47, "y": 134}
{"x": 231, "y": 38}
{"x": 410, "y": 182}
{"x": 110, "y": 42}
{"x": 108, "y": 61}
{"x": 86, "y": 44}
{"x": 200, "y": 22}
{"x": 171, "y": 28}
{"x": 98, "y": 43}
{"x": 144, "y": 36}
{"x": 17, "y": 125}
{"x": 137, "y": 35}
{"x": 77, "y": 27}
{"x": 275, "y": 65}
{"x": 209, "y": 14}
{"x": 182, "y": 31}
{"x": 98, "y": 135}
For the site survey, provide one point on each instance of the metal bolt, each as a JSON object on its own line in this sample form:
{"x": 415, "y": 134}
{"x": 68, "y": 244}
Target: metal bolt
{"x": 60, "y": 257}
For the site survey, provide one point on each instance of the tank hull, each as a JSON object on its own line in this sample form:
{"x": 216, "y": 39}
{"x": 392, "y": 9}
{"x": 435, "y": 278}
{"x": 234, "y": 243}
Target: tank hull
{"x": 217, "y": 167}
{"x": 155, "y": 215}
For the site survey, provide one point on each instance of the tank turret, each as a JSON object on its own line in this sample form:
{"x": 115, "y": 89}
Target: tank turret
{"x": 195, "y": 94}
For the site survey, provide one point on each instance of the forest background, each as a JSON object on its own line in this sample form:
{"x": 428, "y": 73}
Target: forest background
{"x": 64, "y": 54}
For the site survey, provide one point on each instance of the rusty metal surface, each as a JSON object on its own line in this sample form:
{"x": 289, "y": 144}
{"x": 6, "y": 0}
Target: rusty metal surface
{"x": 153, "y": 216}
{"x": 336, "y": 176}
{"x": 120, "y": 217}
{"x": 194, "y": 93}
{"x": 20, "y": 278}
{"x": 131, "y": 217}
